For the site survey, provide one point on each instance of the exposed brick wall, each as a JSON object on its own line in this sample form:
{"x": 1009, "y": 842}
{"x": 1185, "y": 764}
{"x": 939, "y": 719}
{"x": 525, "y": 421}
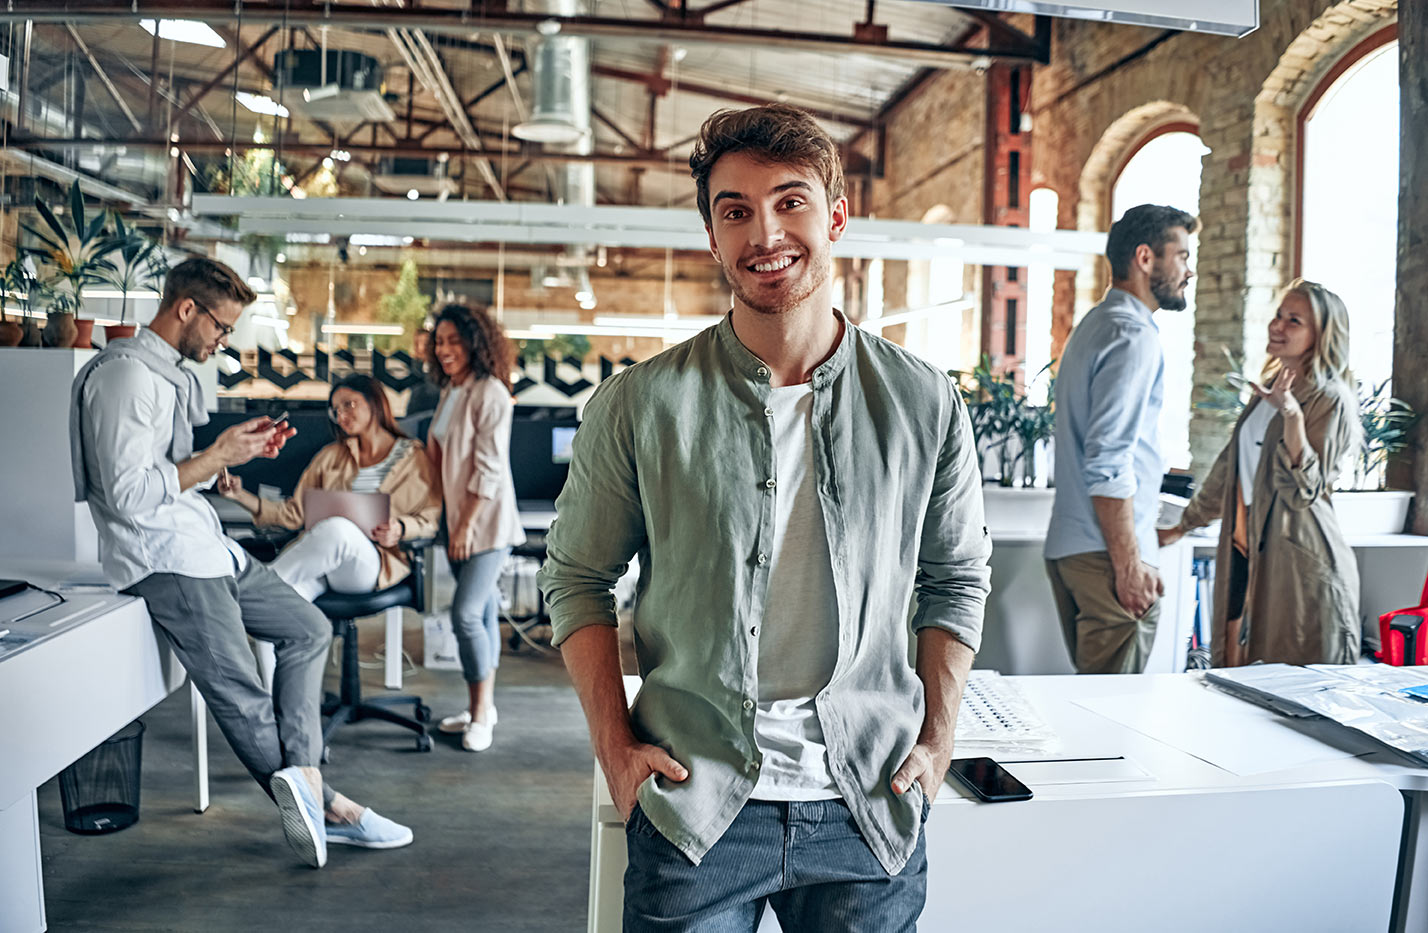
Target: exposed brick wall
{"x": 1410, "y": 380}
{"x": 1108, "y": 86}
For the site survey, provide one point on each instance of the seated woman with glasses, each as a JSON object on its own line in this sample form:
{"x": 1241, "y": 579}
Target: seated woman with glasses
{"x": 371, "y": 454}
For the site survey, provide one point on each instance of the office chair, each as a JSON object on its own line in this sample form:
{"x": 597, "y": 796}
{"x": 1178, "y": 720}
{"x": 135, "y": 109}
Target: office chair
{"x": 1402, "y": 635}
{"x": 344, "y": 609}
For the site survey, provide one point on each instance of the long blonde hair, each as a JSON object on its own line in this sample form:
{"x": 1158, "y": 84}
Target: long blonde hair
{"x": 1328, "y": 365}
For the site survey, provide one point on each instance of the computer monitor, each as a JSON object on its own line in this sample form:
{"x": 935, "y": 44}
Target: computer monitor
{"x": 540, "y": 457}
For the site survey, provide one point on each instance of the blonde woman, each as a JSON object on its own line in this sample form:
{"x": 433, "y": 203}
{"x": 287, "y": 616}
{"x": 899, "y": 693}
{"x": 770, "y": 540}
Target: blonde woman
{"x": 1286, "y": 583}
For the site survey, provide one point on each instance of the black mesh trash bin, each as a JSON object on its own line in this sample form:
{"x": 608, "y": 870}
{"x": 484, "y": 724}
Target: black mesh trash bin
{"x": 100, "y": 791}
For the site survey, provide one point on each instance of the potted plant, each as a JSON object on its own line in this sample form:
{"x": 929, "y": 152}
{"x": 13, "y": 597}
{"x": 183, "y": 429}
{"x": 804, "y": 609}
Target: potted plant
{"x": 15, "y": 285}
{"x": 1008, "y": 427}
{"x": 136, "y": 263}
{"x": 72, "y": 255}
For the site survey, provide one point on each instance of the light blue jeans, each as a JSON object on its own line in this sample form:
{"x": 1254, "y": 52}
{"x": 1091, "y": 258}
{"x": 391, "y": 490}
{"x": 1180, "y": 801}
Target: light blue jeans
{"x": 476, "y": 612}
{"x": 806, "y": 860}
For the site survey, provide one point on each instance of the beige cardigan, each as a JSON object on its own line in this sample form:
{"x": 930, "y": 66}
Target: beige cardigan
{"x": 1301, "y": 596}
{"x": 412, "y": 485}
{"x": 475, "y": 461}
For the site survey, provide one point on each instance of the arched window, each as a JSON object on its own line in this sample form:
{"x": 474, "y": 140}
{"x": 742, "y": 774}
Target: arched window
{"x": 1165, "y": 169}
{"x": 1040, "y": 280}
{"x": 937, "y": 335}
{"x": 1348, "y": 195}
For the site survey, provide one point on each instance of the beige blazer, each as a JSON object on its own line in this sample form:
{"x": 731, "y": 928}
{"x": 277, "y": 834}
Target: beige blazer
{"x": 474, "y": 461}
{"x": 1301, "y": 591}
{"x": 412, "y": 485}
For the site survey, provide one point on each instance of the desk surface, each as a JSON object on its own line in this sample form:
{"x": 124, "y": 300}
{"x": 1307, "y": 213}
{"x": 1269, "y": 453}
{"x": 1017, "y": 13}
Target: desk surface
{"x": 1085, "y": 736}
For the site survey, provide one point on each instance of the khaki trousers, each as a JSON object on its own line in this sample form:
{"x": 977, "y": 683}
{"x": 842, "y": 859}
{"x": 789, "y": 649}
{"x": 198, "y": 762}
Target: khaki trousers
{"x": 1101, "y": 635}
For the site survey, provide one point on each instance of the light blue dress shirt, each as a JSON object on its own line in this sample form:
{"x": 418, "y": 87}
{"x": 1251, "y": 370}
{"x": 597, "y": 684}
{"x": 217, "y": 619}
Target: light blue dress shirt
{"x": 1109, "y": 392}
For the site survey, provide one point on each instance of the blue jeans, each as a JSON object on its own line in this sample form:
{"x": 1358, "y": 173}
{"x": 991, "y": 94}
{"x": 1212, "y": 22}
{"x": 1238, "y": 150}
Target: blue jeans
{"x": 807, "y": 860}
{"x": 476, "y": 613}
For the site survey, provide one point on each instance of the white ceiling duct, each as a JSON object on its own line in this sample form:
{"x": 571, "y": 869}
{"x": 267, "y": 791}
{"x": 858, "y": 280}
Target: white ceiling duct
{"x": 560, "y": 118}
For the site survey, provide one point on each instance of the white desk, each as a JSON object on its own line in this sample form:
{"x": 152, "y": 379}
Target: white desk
{"x": 100, "y": 669}
{"x": 1188, "y": 847}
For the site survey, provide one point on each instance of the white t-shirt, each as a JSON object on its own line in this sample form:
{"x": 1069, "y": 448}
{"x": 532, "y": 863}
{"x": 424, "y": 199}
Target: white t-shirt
{"x": 1252, "y": 446}
{"x": 798, "y": 640}
{"x": 441, "y": 423}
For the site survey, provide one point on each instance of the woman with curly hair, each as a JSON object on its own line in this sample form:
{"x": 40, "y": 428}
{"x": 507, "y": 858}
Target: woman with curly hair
{"x": 469, "y": 441}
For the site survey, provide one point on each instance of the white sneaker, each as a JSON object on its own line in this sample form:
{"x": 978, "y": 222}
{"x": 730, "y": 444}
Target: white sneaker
{"x": 478, "y": 736}
{"x": 453, "y": 725}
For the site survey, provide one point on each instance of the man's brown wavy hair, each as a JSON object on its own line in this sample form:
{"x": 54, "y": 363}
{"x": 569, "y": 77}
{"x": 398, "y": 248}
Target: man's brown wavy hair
{"x": 776, "y": 133}
{"x": 487, "y": 346}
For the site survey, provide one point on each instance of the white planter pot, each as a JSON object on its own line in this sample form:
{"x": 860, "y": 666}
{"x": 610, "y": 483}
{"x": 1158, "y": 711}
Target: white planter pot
{"x": 1363, "y": 512}
{"x": 1017, "y": 510}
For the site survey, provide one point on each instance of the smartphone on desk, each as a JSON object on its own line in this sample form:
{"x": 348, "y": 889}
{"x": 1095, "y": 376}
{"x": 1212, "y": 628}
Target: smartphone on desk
{"x": 988, "y": 780}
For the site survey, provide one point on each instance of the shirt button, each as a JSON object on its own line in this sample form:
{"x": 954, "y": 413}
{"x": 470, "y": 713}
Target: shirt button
{"x": 763, "y": 558}
{"x": 754, "y": 631}
{"x": 763, "y": 371}
{"x": 768, "y": 412}
{"x": 753, "y": 766}
{"x": 771, "y": 483}
{"x": 748, "y": 704}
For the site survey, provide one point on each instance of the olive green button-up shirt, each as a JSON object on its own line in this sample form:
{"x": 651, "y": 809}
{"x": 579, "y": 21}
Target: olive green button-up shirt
{"x": 675, "y": 462}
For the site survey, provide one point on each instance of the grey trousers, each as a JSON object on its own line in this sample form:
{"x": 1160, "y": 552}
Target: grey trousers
{"x": 207, "y": 621}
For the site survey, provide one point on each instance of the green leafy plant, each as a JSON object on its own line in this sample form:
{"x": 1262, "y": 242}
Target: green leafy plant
{"x": 73, "y": 253}
{"x": 405, "y": 304}
{"x": 1386, "y": 422}
{"x": 1001, "y": 413}
{"x": 16, "y": 285}
{"x": 559, "y": 347}
{"x": 138, "y": 263}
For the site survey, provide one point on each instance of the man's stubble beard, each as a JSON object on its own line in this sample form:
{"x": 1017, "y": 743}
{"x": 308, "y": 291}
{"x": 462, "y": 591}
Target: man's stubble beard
{"x": 1164, "y": 292}
{"x": 818, "y": 271}
{"x": 190, "y": 344}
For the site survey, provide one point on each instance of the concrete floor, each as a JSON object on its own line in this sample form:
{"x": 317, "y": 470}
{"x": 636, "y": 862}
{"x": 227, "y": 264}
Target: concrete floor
{"x": 502, "y": 837}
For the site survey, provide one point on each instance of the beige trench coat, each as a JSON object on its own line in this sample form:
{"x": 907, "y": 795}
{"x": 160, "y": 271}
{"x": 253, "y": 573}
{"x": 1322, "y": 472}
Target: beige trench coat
{"x": 1301, "y": 592}
{"x": 474, "y": 462}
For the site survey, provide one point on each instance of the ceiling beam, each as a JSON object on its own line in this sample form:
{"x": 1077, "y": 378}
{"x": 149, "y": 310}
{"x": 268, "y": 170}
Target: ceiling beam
{"x": 465, "y": 21}
{"x": 404, "y": 148}
{"x": 660, "y": 85}
{"x": 222, "y": 75}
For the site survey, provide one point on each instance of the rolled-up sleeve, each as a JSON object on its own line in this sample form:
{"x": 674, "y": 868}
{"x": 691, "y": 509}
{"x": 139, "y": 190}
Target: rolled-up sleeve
{"x": 120, "y": 425}
{"x": 599, "y": 521}
{"x": 1330, "y": 432}
{"x": 1120, "y": 386}
{"x": 953, "y": 579}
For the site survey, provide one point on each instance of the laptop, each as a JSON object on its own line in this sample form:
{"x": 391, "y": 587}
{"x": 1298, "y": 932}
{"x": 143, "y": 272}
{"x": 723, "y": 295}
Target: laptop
{"x": 366, "y": 510}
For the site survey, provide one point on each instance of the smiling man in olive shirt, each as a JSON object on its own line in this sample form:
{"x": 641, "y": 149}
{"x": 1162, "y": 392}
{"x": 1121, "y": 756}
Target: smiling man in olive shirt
{"x": 790, "y": 483}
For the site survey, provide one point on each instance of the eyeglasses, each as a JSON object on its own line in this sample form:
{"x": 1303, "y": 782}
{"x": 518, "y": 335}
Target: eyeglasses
{"x": 225, "y": 330}
{"x": 343, "y": 408}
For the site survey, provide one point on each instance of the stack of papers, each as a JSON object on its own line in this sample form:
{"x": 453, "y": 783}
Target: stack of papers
{"x": 1370, "y": 699}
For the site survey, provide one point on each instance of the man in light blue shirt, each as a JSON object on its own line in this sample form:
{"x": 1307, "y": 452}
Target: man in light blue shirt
{"x": 1101, "y": 549}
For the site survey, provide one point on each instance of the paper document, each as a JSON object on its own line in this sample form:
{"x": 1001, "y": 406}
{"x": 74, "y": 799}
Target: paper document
{"x": 1364, "y": 697}
{"x": 366, "y": 510}
{"x": 1213, "y": 727}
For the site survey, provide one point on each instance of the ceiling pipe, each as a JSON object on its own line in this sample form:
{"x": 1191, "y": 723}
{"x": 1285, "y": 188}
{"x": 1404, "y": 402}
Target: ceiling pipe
{"x": 463, "y": 21}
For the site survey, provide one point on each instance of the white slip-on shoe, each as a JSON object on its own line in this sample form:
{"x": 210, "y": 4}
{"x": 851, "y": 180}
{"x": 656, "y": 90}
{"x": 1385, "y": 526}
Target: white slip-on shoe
{"x": 372, "y": 831}
{"x": 454, "y": 725}
{"x": 477, "y": 737}
{"x": 303, "y": 825}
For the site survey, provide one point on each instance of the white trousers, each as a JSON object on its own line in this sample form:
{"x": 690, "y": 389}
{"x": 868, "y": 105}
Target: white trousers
{"x": 334, "y": 554}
